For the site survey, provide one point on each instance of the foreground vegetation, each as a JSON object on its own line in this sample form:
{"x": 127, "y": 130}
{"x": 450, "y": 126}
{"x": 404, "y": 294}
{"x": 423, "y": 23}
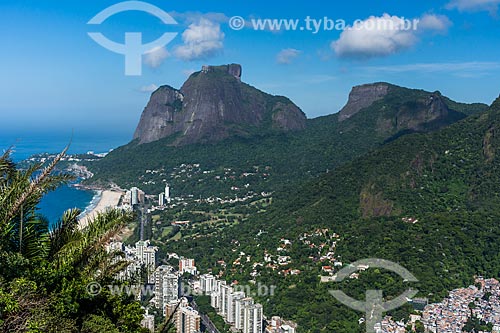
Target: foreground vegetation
{"x": 45, "y": 269}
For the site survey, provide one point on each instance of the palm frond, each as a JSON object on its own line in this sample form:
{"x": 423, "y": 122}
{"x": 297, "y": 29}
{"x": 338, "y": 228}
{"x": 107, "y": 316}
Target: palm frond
{"x": 35, "y": 238}
{"x": 34, "y": 187}
{"x": 63, "y": 231}
{"x": 84, "y": 249}
{"x": 7, "y": 166}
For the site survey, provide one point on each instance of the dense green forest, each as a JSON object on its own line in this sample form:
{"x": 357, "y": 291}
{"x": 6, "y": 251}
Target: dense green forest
{"x": 289, "y": 158}
{"x": 447, "y": 180}
{"x": 360, "y": 181}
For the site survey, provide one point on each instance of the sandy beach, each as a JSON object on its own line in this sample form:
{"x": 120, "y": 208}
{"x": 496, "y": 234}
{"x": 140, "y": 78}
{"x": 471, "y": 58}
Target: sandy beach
{"x": 109, "y": 199}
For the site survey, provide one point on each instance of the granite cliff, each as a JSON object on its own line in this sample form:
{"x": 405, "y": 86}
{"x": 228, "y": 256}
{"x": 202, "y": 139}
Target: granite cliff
{"x": 395, "y": 110}
{"x": 214, "y": 104}
{"x": 362, "y": 97}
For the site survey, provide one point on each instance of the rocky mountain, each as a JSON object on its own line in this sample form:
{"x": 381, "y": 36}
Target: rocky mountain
{"x": 214, "y": 104}
{"x": 394, "y": 110}
{"x": 428, "y": 201}
{"x": 268, "y": 137}
{"x": 362, "y": 97}
{"x": 401, "y": 174}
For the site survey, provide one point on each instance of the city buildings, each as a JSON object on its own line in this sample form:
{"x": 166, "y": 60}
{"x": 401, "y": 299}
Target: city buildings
{"x": 236, "y": 309}
{"x": 186, "y": 319}
{"x": 481, "y": 301}
{"x": 278, "y": 325}
{"x": 225, "y": 291}
{"x": 231, "y": 305}
{"x": 146, "y": 255}
{"x": 166, "y": 289}
{"x": 187, "y": 266}
{"x": 115, "y": 247}
{"x": 252, "y": 319}
{"x": 207, "y": 283}
{"x": 161, "y": 199}
{"x": 240, "y": 315}
{"x": 167, "y": 193}
{"x": 136, "y": 196}
{"x": 142, "y": 256}
{"x": 215, "y": 296}
{"x": 148, "y": 321}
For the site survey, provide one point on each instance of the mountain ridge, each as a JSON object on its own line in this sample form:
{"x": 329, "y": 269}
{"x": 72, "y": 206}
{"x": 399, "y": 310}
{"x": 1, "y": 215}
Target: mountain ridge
{"x": 322, "y": 143}
{"x": 214, "y": 104}
{"x": 410, "y": 155}
{"x": 428, "y": 201}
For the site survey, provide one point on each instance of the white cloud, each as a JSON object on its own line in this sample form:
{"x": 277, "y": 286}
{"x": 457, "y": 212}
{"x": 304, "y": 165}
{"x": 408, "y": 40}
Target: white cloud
{"x": 149, "y": 88}
{"x": 376, "y": 36}
{"x": 385, "y": 35}
{"x": 475, "y": 5}
{"x": 202, "y": 40}
{"x": 438, "y": 23}
{"x": 286, "y": 56}
{"x": 156, "y": 57}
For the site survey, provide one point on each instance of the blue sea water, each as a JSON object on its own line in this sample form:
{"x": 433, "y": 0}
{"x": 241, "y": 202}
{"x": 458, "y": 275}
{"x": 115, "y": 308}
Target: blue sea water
{"x": 55, "y": 203}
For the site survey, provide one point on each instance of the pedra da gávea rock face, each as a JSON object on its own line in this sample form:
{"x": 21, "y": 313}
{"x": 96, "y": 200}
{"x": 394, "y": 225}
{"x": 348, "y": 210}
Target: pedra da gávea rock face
{"x": 398, "y": 110}
{"x": 362, "y": 97}
{"x": 212, "y": 105}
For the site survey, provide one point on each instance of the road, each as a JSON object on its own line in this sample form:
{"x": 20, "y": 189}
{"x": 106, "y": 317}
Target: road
{"x": 142, "y": 223}
{"x": 210, "y": 327}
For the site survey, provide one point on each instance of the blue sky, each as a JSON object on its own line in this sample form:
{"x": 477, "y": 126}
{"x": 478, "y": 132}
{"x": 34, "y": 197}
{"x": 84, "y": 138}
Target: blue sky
{"x": 54, "y": 76}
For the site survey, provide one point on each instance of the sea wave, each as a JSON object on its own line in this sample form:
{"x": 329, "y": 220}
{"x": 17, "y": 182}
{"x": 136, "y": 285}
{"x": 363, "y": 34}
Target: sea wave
{"x": 92, "y": 205}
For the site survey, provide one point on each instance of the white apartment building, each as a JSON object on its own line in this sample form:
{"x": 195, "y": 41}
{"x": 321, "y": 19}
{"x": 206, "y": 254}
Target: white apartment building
{"x": 146, "y": 255}
{"x": 231, "y": 308}
{"x": 240, "y": 305}
{"x": 166, "y": 283}
{"x": 253, "y": 319}
{"x": 207, "y": 283}
{"x": 161, "y": 199}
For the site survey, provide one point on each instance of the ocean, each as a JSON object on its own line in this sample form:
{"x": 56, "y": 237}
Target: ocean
{"x": 55, "y": 203}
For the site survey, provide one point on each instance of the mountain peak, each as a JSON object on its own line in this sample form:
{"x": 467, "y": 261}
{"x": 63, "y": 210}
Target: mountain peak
{"x": 212, "y": 105}
{"x": 232, "y": 69}
{"x": 362, "y": 97}
{"x": 394, "y": 111}
{"x": 496, "y": 104}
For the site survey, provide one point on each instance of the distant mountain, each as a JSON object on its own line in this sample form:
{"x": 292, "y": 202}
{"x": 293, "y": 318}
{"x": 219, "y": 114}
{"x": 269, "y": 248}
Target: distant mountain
{"x": 362, "y": 97}
{"x": 428, "y": 201}
{"x": 213, "y": 104}
{"x": 453, "y": 170}
{"x": 294, "y": 151}
{"x": 400, "y": 174}
{"x": 391, "y": 111}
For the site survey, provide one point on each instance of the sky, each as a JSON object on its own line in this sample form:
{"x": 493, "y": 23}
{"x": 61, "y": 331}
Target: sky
{"x": 55, "y": 77}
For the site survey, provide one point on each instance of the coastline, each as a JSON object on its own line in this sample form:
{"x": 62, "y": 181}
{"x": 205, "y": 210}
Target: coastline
{"x": 102, "y": 201}
{"x": 93, "y": 202}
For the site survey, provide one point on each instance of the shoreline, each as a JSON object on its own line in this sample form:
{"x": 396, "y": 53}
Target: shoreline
{"x": 93, "y": 202}
{"x": 102, "y": 201}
